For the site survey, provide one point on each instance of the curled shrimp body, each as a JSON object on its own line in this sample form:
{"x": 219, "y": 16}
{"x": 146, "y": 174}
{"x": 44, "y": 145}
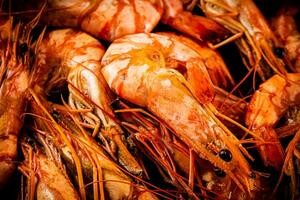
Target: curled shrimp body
{"x": 284, "y": 26}
{"x": 136, "y": 67}
{"x": 74, "y": 57}
{"x": 108, "y": 19}
{"x": 112, "y": 19}
{"x": 268, "y": 104}
{"x": 254, "y": 37}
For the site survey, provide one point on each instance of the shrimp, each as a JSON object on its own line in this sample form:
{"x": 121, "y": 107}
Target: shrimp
{"x": 267, "y": 105}
{"x": 59, "y": 125}
{"x": 14, "y": 81}
{"x": 177, "y": 164}
{"x": 46, "y": 177}
{"x": 155, "y": 141}
{"x": 105, "y": 19}
{"x": 112, "y": 19}
{"x": 284, "y": 26}
{"x": 254, "y": 38}
{"x": 74, "y": 57}
{"x": 198, "y": 27}
{"x": 137, "y": 68}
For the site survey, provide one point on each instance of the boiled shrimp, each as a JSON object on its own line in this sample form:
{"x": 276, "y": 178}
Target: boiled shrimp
{"x": 59, "y": 125}
{"x": 15, "y": 68}
{"x": 112, "y": 19}
{"x": 284, "y": 26}
{"x": 199, "y": 27}
{"x": 252, "y": 34}
{"x": 267, "y": 105}
{"x": 74, "y": 57}
{"x": 177, "y": 164}
{"x": 136, "y": 67}
{"x": 44, "y": 172}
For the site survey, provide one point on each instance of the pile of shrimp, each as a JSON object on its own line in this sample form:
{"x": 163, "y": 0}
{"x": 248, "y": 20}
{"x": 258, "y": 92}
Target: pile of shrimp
{"x": 147, "y": 100}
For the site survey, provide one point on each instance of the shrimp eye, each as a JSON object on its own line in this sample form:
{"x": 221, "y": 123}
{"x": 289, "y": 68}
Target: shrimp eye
{"x": 252, "y": 175}
{"x": 279, "y": 52}
{"x": 24, "y": 48}
{"x": 225, "y": 155}
{"x": 115, "y": 104}
{"x": 219, "y": 172}
{"x": 56, "y": 115}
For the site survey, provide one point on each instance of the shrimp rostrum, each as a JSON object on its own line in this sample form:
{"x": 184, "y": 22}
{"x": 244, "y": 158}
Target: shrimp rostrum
{"x": 72, "y": 57}
{"x": 138, "y": 68}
